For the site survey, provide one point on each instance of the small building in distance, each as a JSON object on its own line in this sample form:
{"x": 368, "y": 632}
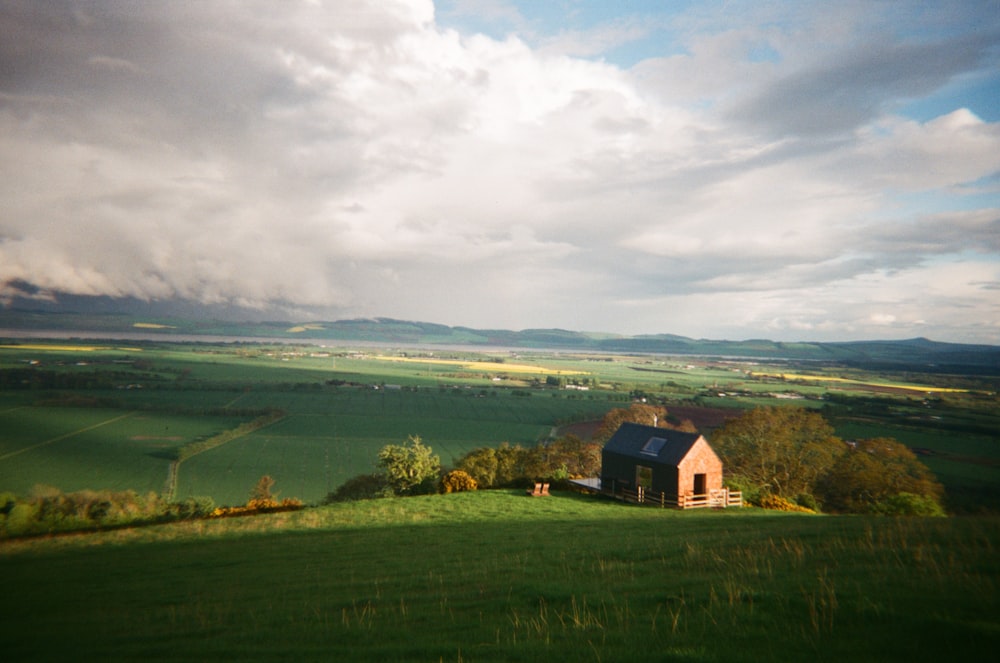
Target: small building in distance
{"x": 659, "y": 460}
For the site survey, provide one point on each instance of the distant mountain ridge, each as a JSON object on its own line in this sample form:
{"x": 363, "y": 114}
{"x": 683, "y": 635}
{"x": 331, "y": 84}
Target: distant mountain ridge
{"x": 922, "y": 352}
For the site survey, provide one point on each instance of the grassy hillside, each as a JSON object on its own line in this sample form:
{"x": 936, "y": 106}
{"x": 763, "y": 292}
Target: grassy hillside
{"x": 502, "y": 577}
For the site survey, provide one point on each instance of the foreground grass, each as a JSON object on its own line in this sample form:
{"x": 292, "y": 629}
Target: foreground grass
{"x": 501, "y": 577}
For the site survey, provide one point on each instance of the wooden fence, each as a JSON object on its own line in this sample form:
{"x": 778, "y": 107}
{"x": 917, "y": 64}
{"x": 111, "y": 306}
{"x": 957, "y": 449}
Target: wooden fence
{"x": 717, "y": 499}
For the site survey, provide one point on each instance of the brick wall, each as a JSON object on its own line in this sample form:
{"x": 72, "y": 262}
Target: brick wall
{"x": 700, "y": 460}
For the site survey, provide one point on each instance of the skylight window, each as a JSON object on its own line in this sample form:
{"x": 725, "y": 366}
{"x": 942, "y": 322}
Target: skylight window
{"x": 653, "y": 446}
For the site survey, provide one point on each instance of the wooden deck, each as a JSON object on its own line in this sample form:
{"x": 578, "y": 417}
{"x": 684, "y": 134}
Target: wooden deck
{"x": 715, "y": 499}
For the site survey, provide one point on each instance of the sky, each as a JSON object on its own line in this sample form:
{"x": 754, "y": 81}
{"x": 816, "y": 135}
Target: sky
{"x": 791, "y": 170}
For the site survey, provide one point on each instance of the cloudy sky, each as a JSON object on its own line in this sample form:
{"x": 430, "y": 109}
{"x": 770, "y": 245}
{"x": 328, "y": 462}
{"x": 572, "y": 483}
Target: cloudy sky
{"x": 791, "y": 170}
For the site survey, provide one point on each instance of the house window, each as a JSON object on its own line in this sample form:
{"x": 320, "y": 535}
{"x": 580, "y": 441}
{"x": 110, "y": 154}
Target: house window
{"x": 653, "y": 446}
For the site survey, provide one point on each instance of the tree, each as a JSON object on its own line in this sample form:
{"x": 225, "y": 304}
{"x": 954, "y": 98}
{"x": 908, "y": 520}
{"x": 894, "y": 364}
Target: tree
{"x": 409, "y": 466}
{"x": 576, "y": 457}
{"x": 877, "y": 476}
{"x": 511, "y": 462}
{"x": 262, "y": 491}
{"x": 481, "y": 465}
{"x": 782, "y": 451}
{"x": 637, "y": 413}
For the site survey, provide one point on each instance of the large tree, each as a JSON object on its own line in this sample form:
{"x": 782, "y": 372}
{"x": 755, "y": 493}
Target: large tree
{"x": 408, "y": 466}
{"x": 866, "y": 478}
{"x": 637, "y": 413}
{"x": 783, "y": 451}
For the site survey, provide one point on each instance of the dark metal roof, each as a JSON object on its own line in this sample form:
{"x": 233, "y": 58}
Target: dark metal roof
{"x": 647, "y": 442}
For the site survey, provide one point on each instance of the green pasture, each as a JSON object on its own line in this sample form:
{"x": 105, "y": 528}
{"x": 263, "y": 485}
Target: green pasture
{"x": 332, "y": 435}
{"x": 498, "y": 576}
{"x": 77, "y": 448}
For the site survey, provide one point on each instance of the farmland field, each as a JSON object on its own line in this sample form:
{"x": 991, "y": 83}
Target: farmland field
{"x": 105, "y": 415}
{"x": 75, "y": 449}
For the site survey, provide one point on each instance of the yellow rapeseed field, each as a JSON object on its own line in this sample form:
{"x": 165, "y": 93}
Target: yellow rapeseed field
{"x": 486, "y": 366}
{"x": 889, "y": 385}
{"x": 151, "y": 325}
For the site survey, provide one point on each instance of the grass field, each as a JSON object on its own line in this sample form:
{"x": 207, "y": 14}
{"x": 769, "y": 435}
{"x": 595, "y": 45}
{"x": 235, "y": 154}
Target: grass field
{"x": 73, "y": 448}
{"x": 500, "y": 577}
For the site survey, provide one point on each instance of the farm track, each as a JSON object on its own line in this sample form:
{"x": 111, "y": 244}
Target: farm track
{"x": 170, "y": 490}
{"x": 65, "y": 436}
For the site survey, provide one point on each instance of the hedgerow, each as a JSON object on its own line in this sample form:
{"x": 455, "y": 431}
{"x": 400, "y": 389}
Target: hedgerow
{"x": 48, "y": 510}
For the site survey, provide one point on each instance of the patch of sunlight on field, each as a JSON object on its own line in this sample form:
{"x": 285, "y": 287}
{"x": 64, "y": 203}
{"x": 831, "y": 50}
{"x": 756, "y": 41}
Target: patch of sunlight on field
{"x": 301, "y": 328}
{"x": 56, "y": 348}
{"x": 889, "y": 385}
{"x": 489, "y": 366}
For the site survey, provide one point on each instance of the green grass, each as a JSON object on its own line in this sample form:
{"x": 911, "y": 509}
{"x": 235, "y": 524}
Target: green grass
{"x": 501, "y": 577}
{"x": 77, "y": 448}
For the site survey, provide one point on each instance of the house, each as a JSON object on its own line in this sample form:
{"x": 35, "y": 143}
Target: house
{"x": 661, "y": 461}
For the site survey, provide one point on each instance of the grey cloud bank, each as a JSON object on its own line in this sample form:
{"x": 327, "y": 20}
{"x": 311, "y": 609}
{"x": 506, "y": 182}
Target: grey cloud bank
{"x": 357, "y": 158}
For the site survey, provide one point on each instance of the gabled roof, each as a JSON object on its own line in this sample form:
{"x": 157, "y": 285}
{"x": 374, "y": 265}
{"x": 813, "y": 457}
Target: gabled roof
{"x": 647, "y": 442}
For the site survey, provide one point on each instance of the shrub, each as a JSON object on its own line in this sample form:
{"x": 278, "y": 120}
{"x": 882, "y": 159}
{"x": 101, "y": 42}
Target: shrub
{"x": 807, "y": 500}
{"x": 22, "y": 519}
{"x": 361, "y": 487}
{"x": 411, "y": 468}
{"x": 778, "y": 503}
{"x": 909, "y": 504}
{"x": 7, "y": 502}
{"x": 752, "y": 493}
{"x": 458, "y": 481}
{"x": 257, "y": 506}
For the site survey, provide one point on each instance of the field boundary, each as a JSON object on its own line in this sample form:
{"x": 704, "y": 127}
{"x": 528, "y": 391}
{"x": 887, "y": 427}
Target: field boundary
{"x": 193, "y": 449}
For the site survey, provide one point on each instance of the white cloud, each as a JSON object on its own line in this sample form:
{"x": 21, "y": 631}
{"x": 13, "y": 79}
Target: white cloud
{"x": 360, "y": 158}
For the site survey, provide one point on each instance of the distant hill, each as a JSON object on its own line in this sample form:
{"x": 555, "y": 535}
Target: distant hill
{"x": 918, "y": 353}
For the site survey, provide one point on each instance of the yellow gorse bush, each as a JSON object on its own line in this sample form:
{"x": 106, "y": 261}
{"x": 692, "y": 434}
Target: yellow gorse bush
{"x": 776, "y": 503}
{"x": 458, "y": 481}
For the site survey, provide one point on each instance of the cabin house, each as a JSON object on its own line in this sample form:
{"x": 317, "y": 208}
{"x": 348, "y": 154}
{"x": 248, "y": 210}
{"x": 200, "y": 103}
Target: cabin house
{"x": 669, "y": 464}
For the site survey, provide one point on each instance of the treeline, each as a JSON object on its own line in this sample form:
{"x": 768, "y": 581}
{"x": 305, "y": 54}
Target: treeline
{"x": 788, "y": 457}
{"x": 413, "y": 469}
{"x": 264, "y": 418}
{"x": 48, "y": 510}
{"x": 39, "y": 378}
